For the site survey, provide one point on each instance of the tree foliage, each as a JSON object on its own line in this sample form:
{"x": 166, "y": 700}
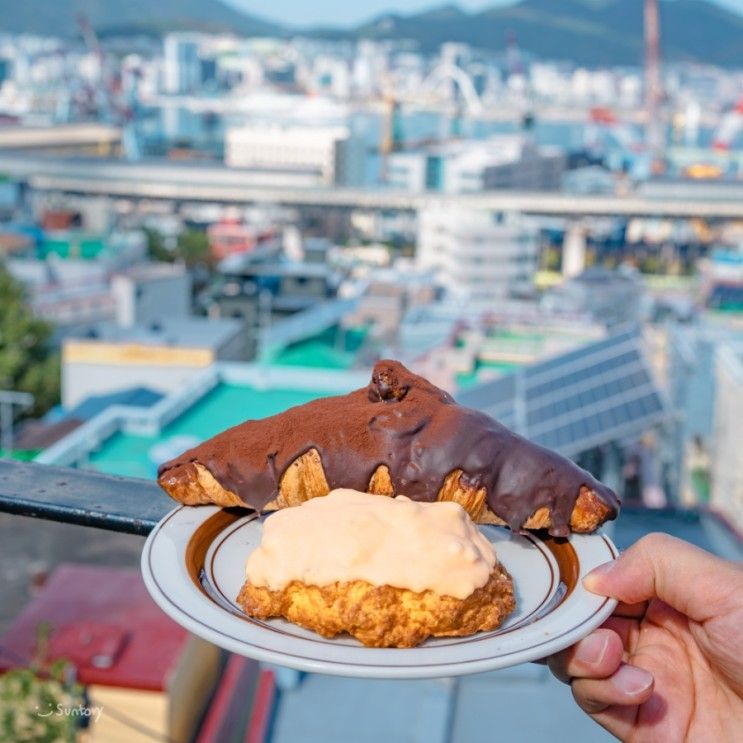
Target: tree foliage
{"x": 192, "y": 248}
{"x": 28, "y": 363}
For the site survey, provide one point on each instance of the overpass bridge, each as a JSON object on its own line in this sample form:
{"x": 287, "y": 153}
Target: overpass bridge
{"x": 214, "y": 183}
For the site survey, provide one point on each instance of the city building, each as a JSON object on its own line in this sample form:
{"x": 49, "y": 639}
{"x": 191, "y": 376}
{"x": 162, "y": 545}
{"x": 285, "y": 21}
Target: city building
{"x": 150, "y": 339}
{"x": 160, "y": 355}
{"x": 501, "y": 162}
{"x": 92, "y": 139}
{"x": 263, "y": 292}
{"x": 611, "y": 297}
{"x": 598, "y": 404}
{"x": 727, "y": 449}
{"x": 588, "y": 179}
{"x": 142, "y": 293}
{"x": 481, "y": 255}
{"x": 531, "y": 169}
{"x": 385, "y": 295}
{"x": 477, "y": 349}
{"x": 721, "y": 286}
{"x": 70, "y": 276}
{"x": 181, "y": 63}
{"x": 692, "y": 375}
{"x": 232, "y": 237}
{"x": 66, "y": 292}
{"x": 329, "y": 154}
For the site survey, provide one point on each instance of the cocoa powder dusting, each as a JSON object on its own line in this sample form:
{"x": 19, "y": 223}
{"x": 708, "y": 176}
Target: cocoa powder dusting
{"x": 418, "y": 431}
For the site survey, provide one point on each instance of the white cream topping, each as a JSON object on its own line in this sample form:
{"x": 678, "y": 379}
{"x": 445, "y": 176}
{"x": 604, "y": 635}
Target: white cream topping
{"x": 348, "y": 535}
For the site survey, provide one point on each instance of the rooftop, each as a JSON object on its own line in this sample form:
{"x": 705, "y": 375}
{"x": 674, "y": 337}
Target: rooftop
{"x": 603, "y": 276}
{"x": 154, "y": 270}
{"x": 599, "y": 393}
{"x": 333, "y": 348}
{"x": 132, "y": 441}
{"x": 224, "y": 406}
{"x": 140, "y": 397}
{"x": 189, "y": 332}
{"x": 281, "y": 268}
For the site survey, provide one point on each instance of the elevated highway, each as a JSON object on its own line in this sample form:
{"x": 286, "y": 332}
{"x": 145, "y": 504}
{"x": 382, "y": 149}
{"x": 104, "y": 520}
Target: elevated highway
{"x": 213, "y": 183}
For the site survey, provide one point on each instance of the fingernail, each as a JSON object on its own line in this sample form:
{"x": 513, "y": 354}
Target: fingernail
{"x": 597, "y": 573}
{"x": 591, "y": 650}
{"x": 632, "y": 680}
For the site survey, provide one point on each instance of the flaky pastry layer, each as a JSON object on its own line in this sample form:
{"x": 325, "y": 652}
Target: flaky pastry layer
{"x": 192, "y": 484}
{"x": 384, "y": 616}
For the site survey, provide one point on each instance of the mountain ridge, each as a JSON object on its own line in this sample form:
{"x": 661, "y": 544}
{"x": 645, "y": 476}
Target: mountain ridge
{"x": 59, "y": 18}
{"x": 591, "y": 32}
{"x": 587, "y": 32}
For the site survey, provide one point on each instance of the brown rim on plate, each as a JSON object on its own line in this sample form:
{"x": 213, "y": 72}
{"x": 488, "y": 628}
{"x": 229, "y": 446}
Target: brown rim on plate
{"x": 173, "y": 589}
{"x": 218, "y": 527}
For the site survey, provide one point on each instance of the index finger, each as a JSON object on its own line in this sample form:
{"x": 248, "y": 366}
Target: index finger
{"x": 692, "y": 581}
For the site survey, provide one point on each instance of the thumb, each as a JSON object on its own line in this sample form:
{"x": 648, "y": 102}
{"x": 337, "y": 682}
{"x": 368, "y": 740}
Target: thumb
{"x": 685, "y": 577}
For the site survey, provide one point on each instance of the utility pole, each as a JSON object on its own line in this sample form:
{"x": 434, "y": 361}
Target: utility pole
{"x": 8, "y": 399}
{"x": 654, "y": 126}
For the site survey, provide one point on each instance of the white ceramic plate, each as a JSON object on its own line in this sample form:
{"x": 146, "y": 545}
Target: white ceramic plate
{"x": 193, "y": 566}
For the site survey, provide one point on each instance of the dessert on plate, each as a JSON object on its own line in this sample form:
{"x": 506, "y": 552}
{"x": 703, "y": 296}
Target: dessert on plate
{"x": 398, "y": 435}
{"x": 389, "y": 571}
{"x": 395, "y": 570}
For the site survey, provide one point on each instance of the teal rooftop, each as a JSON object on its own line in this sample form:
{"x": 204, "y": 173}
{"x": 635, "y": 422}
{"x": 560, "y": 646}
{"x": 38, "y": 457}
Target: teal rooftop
{"x": 132, "y": 441}
{"x": 223, "y": 407}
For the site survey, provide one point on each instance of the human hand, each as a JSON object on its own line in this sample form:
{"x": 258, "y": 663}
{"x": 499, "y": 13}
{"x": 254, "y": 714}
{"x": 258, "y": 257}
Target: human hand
{"x": 668, "y": 664}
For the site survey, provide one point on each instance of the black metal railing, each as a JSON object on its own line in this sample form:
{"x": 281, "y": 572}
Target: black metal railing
{"x": 133, "y": 506}
{"x": 81, "y": 497}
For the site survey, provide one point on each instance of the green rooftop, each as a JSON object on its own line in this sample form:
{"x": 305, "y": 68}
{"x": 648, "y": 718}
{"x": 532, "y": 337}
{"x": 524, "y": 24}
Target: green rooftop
{"x": 75, "y": 246}
{"x": 334, "y": 348}
{"x": 471, "y": 378}
{"x": 224, "y": 406}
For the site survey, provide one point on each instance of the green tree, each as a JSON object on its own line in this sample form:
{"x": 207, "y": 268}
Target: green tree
{"x": 156, "y": 247}
{"x": 27, "y": 361}
{"x": 193, "y": 248}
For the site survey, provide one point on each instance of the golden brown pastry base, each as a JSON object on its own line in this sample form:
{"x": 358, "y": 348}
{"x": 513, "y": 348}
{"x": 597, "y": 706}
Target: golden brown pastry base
{"x": 192, "y": 484}
{"x": 384, "y": 616}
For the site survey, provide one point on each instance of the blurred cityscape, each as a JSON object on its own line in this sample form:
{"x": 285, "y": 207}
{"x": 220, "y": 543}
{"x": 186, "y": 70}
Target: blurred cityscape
{"x": 199, "y": 228}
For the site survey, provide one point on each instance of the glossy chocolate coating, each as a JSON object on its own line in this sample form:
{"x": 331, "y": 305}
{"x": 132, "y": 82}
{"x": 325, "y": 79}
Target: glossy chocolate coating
{"x": 418, "y": 431}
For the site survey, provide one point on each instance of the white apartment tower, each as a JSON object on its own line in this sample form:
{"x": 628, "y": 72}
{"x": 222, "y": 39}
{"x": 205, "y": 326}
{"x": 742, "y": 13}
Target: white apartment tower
{"x": 481, "y": 255}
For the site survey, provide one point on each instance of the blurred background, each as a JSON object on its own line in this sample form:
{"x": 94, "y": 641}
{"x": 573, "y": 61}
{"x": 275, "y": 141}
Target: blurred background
{"x": 211, "y": 211}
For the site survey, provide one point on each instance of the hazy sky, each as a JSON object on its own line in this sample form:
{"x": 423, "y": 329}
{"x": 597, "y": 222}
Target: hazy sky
{"x": 348, "y": 12}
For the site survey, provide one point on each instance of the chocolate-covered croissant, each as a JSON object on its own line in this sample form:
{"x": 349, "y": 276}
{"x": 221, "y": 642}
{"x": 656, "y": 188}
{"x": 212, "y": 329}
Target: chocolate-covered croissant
{"x": 400, "y": 435}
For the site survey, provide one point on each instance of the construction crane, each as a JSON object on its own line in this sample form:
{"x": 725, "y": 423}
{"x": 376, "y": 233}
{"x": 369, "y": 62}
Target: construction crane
{"x": 514, "y": 61}
{"x": 106, "y": 96}
{"x": 654, "y": 127}
{"x": 391, "y": 139}
{"x": 517, "y": 72}
{"x": 89, "y": 36}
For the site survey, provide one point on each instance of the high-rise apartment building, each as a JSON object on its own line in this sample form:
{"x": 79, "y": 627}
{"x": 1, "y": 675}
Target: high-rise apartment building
{"x": 482, "y": 255}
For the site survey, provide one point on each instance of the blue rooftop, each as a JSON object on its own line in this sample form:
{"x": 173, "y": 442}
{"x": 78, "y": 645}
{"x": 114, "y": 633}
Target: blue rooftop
{"x": 140, "y": 397}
